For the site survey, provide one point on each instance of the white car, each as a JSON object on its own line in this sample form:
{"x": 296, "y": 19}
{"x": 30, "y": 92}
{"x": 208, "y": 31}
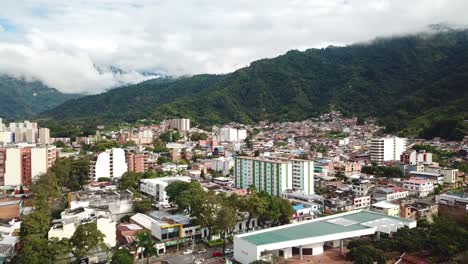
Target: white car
{"x": 228, "y": 251}
{"x": 188, "y": 251}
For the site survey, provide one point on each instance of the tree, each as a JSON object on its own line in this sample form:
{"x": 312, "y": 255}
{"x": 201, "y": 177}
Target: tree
{"x": 122, "y": 256}
{"x": 130, "y": 181}
{"x": 366, "y": 254}
{"x": 146, "y": 244}
{"x": 143, "y": 206}
{"x": 86, "y": 238}
{"x": 60, "y": 144}
{"x": 202, "y": 173}
{"x": 226, "y": 219}
{"x": 35, "y": 223}
{"x": 196, "y": 136}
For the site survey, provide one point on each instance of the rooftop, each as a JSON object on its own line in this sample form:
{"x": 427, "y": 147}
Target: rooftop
{"x": 340, "y": 223}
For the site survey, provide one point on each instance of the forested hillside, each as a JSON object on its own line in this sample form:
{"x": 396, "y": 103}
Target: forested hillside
{"x": 23, "y": 99}
{"x": 416, "y": 84}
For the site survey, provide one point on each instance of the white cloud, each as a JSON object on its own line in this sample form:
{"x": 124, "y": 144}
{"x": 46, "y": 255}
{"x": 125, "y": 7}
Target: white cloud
{"x": 61, "y": 42}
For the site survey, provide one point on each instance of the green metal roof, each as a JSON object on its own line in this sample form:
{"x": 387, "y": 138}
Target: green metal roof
{"x": 351, "y": 222}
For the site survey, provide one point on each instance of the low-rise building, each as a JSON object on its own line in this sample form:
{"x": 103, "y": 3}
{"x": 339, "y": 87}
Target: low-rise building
{"x": 453, "y": 205}
{"x": 362, "y": 202}
{"x": 418, "y": 187}
{"x": 390, "y": 193}
{"x": 156, "y": 187}
{"x": 117, "y": 203}
{"x": 387, "y": 208}
{"x": 66, "y": 226}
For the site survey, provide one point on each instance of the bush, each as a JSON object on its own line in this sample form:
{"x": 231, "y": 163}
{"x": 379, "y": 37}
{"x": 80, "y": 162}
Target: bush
{"x": 215, "y": 243}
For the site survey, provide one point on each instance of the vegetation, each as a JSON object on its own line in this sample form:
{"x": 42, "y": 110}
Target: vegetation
{"x": 363, "y": 252}
{"x": 220, "y": 213}
{"x": 444, "y": 239}
{"x": 146, "y": 243}
{"x": 122, "y": 256}
{"x": 414, "y": 84}
{"x": 143, "y": 206}
{"x": 22, "y": 99}
{"x": 383, "y": 171}
{"x": 36, "y": 247}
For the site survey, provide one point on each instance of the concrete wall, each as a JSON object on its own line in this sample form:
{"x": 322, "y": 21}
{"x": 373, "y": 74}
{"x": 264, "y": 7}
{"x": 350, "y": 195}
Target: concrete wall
{"x": 13, "y": 167}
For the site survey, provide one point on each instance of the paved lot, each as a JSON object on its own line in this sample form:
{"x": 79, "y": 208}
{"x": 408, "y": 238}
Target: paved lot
{"x": 174, "y": 257}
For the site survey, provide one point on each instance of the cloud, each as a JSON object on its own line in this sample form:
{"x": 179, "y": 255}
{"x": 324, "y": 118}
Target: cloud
{"x": 72, "y": 45}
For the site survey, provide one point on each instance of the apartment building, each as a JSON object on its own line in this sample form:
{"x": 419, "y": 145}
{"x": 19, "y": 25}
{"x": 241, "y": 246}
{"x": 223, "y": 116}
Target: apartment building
{"x": 229, "y": 134}
{"x": 20, "y": 165}
{"x": 137, "y": 161}
{"x": 25, "y": 132}
{"x": 390, "y": 193}
{"x": 413, "y": 157}
{"x": 274, "y": 175}
{"x": 108, "y": 164}
{"x": 418, "y": 187}
{"x": 181, "y": 124}
{"x": 449, "y": 175}
{"x": 361, "y": 202}
{"x": 387, "y": 149}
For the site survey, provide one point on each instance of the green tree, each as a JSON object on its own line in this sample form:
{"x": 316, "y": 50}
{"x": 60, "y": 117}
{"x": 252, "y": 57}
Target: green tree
{"x": 35, "y": 223}
{"x": 86, "y": 238}
{"x": 146, "y": 244}
{"x": 143, "y": 206}
{"x": 122, "y": 256}
{"x": 196, "y": 136}
{"x": 226, "y": 219}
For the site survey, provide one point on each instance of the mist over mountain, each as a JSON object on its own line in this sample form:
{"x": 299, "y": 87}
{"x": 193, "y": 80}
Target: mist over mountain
{"x": 24, "y": 99}
{"x": 410, "y": 83}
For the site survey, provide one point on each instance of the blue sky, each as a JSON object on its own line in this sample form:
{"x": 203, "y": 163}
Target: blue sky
{"x": 71, "y": 45}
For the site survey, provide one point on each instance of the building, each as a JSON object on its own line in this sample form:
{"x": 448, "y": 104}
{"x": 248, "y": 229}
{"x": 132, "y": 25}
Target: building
{"x": 229, "y": 134}
{"x": 108, "y": 164}
{"x": 25, "y": 132}
{"x": 156, "y": 187}
{"x": 44, "y": 136}
{"x": 309, "y": 237}
{"x": 453, "y": 205}
{"x": 449, "y": 175}
{"x": 117, "y": 203}
{"x": 181, "y": 124}
{"x": 387, "y": 149}
{"x": 222, "y": 164}
{"x": 137, "y": 161}
{"x": 11, "y": 208}
{"x": 390, "y": 193}
{"x": 413, "y": 157}
{"x": 386, "y": 208}
{"x": 436, "y": 178}
{"x": 274, "y": 175}
{"x": 70, "y": 219}
{"x": 362, "y": 202}
{"x": 419, "y": 210}
{"x": 362, "y": 187}
{"x": 418, "y": 187}
{"x": 20, "y": 165}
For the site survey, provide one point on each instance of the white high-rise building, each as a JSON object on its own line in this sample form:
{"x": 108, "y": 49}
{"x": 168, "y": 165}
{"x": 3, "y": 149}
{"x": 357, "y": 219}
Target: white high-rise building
{"x": 181, "y": 124}
{"x": 108, "y": 164}
{"x": 387, "y": 149}
{"x": 44, "y": 136}
{"x": 230, "y": 134}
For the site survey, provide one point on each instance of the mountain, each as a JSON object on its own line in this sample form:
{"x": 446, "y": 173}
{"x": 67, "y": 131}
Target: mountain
{"x": 23, "y": 99}
{"x": 415, "y": 84}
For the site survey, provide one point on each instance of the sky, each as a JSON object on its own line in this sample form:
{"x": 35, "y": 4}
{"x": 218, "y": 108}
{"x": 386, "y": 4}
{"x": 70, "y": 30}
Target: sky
{"x": 73, "y": 45}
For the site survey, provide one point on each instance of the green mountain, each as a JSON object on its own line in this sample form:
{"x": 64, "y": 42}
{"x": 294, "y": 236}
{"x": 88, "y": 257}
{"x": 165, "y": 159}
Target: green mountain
{"x": 415, "y": 84}
{"x": 23, "y": 99}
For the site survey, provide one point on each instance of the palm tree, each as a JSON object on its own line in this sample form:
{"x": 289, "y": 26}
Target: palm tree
{"x": 146, "y": 243}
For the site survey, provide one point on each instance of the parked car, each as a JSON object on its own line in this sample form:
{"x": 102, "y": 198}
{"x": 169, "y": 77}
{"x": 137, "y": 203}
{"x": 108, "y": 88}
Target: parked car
{"x": 217, "y": 254}
{"x": 228, "y": 251}
{"x": 188, "y": 251}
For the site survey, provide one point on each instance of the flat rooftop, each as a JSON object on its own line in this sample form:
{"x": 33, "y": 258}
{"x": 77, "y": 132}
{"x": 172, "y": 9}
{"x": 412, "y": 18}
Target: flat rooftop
{"x": 341, "y": 223}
